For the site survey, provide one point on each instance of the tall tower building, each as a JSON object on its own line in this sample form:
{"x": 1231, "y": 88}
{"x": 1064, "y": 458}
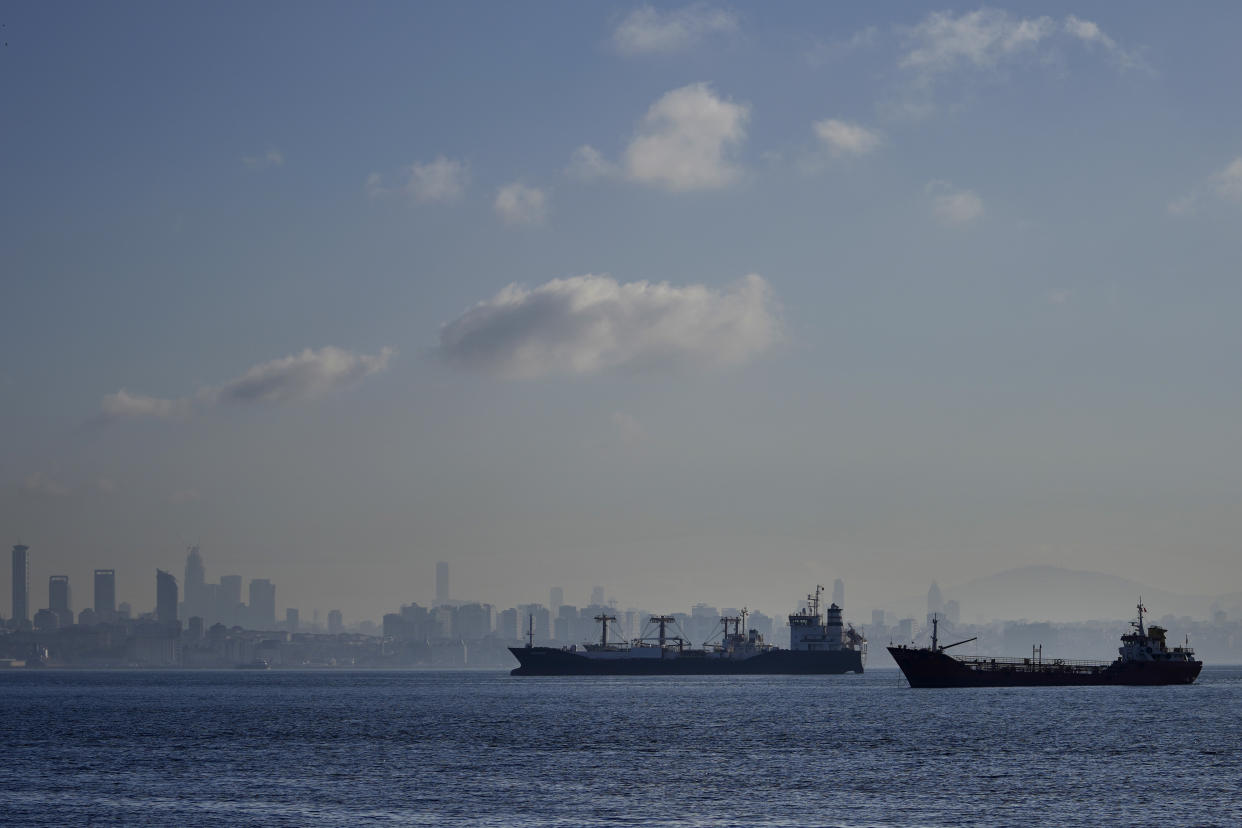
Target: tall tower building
{"x": 597, "y": 596}
{"x": 58, "y": 599}
{"x": 195, "y": 583}
{"x": 935, "y": 603}
{"x": 105, "y": 594}
{"x": 838, "y": 592}
{"x": 229, "y": 600}
{"x": 442, "y": 584}
{"x": 262, "y": 604}
{"x": 21, "y": 584}
{"x": 556, "y": 597}
{"x": 165, "y": 597}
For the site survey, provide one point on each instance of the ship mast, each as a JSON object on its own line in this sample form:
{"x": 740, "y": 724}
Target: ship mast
{"x": 530, "y": 630}
{"x": 1141, "y": 631}
{"x": 663, "y": 621}
{"x": 603, "y": 620}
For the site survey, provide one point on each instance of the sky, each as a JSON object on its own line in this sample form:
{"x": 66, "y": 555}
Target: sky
{"x": 706, "y": 302}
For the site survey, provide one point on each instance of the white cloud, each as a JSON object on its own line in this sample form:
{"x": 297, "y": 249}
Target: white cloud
{"x": 686, "y": 139}
{"x": 301, "y": 376}
{"x": 590, "y": 324}
{"x": 588, "y": 164}
{"x": 845, "y": 138}
{"x": 272, "y": 158}
{"x": 375, "y": 186}
{"x": 981, "y": 38}
{"x": 1224, "y": 184}
{"x": 124, "y": 405}
{"x": 648, "y": 30}
{"x": 954, "y": 206}
{"x": 1228, "y": 182}
{"x": 988, "y": 38}
{"x": 1091, "y": 34}
{"x": 517, "y": 203}
{"x": 38, "y": 483}
{"x": 440, "y": 180}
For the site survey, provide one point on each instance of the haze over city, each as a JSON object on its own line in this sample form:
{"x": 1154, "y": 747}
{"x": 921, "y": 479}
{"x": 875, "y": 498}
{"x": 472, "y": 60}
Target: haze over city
{"x": 705, "y": 303}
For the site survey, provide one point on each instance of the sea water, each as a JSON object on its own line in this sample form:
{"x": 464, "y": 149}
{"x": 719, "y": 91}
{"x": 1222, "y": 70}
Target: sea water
{"x": 228, "y": 748}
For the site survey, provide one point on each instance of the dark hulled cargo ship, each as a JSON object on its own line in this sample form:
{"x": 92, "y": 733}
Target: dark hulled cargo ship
{"x": 1145, "y": 659}
{"x": 819, "y": 644}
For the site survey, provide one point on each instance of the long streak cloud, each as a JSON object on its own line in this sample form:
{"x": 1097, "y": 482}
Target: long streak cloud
{"x": 309, "y": 374}
{"x": 591, "y": 324}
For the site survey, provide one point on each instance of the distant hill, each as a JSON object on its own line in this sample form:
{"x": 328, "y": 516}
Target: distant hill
{"x": 1052, "y": 593}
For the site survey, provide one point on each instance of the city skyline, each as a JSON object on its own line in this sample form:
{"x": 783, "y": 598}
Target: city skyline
{"x": 704, "y": 302}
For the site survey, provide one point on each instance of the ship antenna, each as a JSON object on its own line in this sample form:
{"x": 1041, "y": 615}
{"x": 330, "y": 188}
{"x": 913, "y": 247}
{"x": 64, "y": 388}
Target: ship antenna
{"x": 935, "y": 631}
{"x": 1140, "y": 612}
{"x": 530, "y": 630}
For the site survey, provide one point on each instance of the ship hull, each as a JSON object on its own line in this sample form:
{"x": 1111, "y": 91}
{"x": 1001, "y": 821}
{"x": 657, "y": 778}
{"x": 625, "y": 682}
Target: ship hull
{"x": 551, "y": 661}
{"x": 928, "y": 668}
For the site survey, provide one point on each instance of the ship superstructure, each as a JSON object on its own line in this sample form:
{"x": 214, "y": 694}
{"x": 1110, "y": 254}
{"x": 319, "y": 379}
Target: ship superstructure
{"x": 819, "y": 643}
{"x": 1144, "y": 659}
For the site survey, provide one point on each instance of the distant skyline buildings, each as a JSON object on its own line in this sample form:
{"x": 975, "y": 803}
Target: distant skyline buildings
{"x": 262, "y": 603}
{"x": 165, "y": 597}
{"x": 442, "y": 582}
{"x": 59, "y": 599}
{"x": 21, "y": 584}
{"x": 105, "y": 594}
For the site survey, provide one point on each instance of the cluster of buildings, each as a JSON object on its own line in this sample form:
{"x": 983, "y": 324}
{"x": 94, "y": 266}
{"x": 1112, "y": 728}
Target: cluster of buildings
{"x": 207, "y": 624}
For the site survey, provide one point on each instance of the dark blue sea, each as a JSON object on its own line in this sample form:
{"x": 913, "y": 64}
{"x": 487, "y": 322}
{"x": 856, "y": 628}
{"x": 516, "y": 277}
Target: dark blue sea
{"x": 230, "y": 748}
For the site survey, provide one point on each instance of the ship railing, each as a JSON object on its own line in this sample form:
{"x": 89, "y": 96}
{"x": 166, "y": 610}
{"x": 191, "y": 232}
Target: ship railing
{"x": 1031, "y": 665}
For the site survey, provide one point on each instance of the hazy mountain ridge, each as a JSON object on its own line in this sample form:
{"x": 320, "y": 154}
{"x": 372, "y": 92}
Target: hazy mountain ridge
{"x": 1053, "y": 593}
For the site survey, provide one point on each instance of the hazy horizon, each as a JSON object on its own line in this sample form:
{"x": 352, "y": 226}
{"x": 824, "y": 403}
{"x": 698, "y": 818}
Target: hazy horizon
{"x": 700, "y": 303}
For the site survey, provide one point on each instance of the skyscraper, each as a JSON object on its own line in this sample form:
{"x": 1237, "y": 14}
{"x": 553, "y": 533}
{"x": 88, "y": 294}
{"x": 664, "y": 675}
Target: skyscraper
{"x": 442, "y": 584}
{"x": 597, "y": 596}
{"x": 228, "y": 607}
{"x": 21, "y": 585}
{"x": 336, "y": 623}
{"x": 105, "y": 594}
{"x": 556, "y": 597}
{"x": 291, "y": 620}
{"x": 58, "y": 599}
{"x": 195, "y": 580}
{"x": 165, "y": 597}
{"x": 262, "y": 604}
{"x": 935, "y": 603}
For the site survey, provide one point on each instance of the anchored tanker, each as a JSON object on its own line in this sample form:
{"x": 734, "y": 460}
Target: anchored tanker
{"x": 819, "y": 644}
{"x": 1145, "y": 659}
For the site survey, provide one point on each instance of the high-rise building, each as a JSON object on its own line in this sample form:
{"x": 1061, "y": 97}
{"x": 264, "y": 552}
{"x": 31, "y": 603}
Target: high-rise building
{"x": 195, "y": 581}
{"x": 442, "y": 583}
{"x": 105, "y": 595}
{"x": 877, "y": 620}
{"x": 597, "y": 596}
{"x": 935, "y": 603}
{"x": 262, "y": 604}
{"x": 165, "y": 597}
{"x": 228, "y": 607}
{"x": 336, "y": 622}
{"x": 291, "y": 620}
{"x": 21, "y": 584}
{"x": 556, "y": 597}
{"x": 838, "y": 592}
{"x": 58, "y": 599}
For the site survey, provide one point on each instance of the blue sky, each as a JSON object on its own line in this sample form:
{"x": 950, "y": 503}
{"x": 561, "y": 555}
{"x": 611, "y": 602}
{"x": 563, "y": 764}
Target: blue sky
{"x": 703, "y": 303}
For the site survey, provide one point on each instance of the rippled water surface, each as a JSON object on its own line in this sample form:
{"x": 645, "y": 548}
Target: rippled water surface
{"x": 418, "y": 748}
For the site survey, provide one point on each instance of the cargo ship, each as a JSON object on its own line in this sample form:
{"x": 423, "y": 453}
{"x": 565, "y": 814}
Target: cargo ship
{"x": 1145, "y": 659}
{"x": 819, "y": 644}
